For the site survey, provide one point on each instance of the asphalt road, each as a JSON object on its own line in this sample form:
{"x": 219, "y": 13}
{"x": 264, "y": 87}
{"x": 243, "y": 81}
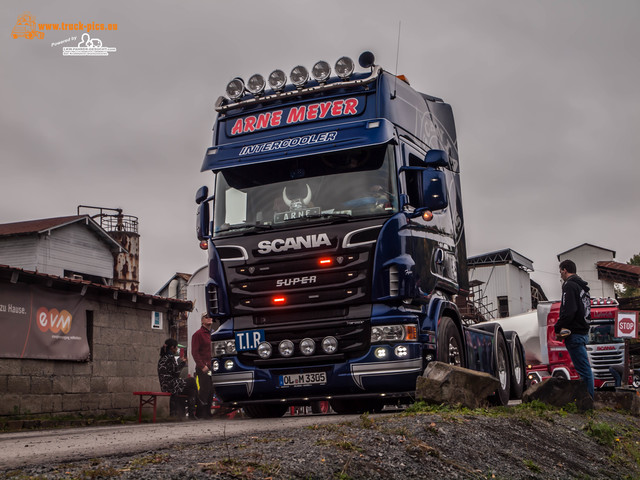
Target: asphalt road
{"x": 25, "y": 448}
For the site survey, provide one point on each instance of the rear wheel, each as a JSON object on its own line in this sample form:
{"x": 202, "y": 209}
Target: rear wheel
{"x": 502, "y": 372}
{"x": 518, "y": 377}
{"x": 265, "y": 411}
{"x": 449, "y": 343}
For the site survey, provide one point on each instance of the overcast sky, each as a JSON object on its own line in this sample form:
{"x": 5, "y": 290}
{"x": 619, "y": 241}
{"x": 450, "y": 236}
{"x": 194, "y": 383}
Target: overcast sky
{"x": 546, "y": 96}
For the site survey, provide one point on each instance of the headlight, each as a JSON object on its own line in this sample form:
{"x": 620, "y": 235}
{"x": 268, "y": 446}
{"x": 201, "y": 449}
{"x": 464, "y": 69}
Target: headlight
{"x": 265, "y": 350}
{"x": 307, "y": 346}
{"x": 286, "y": 348}
{"x": 256, "y": 84}
{"x": 299, "y": 76}
{"x": 224, "y": 347}
{"x": 329, "y": 345}
{"x": 235, "y": 88}
{"x": 394, "y": 333}
{"x": 344, "y": 67}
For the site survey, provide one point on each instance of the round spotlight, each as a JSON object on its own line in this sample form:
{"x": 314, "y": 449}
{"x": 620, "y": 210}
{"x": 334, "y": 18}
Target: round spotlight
{"x": 299, "y": 76}
{"x": 344, "y": 67}
{"x": 401, "y": 351}
{"x": 215, "y": 366}
{"x": 321, "y": 71}
{"x": 380, "y": 352}
{"x": 265, "y": 350}
{"x": 367, "y": 60}
{"x": 307, "y": 346}
{"x": 329, "y": 344}
{"x": 256, "y": 84}
{"x": 235, "y": 88}
{"x": 228, "y": 364}
{"x": 286, "y": 348}
{"x": 277, "y": 80}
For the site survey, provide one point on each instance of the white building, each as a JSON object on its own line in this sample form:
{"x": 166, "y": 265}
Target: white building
{"x": 586, "y": 257}
{"x": 74, "y": 247}
{"x": 503, "y": 282}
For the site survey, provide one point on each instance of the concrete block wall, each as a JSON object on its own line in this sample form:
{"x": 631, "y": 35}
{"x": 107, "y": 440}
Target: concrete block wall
{"x": 125, "y": 352}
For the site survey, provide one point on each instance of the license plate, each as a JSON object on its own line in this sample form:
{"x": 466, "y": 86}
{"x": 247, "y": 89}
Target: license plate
{"x": 299, "y": 379}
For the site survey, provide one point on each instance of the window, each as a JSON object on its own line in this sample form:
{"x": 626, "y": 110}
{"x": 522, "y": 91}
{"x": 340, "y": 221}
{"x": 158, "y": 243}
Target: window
{"x": 503, "y": 307}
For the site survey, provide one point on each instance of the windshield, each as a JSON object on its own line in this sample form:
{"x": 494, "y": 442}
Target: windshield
{"x": 340, "y": 186}
{"x": 603, "y": 334}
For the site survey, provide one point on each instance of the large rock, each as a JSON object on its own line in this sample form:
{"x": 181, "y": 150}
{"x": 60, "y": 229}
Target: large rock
{"x": 444, "y": 383}
{"x": 622, "y": 399}
{"x": 560, "y": 392}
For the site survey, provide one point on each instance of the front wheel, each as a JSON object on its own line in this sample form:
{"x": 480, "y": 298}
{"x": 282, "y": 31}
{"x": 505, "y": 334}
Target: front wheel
{"x": 502, "y": 372}
{"x": 449, "y": 343}
{"x": 265, "y": 411}
{"x": 518, "y": 377}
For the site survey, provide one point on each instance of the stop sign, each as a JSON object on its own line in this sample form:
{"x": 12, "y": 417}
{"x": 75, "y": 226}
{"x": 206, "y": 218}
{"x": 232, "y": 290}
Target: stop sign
{"x": 627, "y": 324}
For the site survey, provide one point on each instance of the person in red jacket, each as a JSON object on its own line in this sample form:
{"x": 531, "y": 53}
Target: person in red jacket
{"x": 201, "y": 352}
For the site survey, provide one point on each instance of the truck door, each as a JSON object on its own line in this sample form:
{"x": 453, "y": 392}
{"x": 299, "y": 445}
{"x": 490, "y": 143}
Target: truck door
{"x": 432, "y": 243}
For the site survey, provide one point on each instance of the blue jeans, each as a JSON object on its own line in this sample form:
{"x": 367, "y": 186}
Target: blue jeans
{"x": 577, "y": 348}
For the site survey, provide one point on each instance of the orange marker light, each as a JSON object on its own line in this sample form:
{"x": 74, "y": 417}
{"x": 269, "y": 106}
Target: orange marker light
{"x": 279, "y": 300}
{"x": 325, "y": 262}
{"x": 204, "y": 244}
{"x": 411, "y": 332}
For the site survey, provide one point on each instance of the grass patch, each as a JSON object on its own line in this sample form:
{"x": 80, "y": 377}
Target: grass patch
{"x": 531, "y": 465}
{"x": 602, "y": 432}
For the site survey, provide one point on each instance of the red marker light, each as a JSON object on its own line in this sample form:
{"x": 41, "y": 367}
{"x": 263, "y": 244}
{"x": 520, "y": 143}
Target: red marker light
{"x": 204, "y": 244}
{"x": 325, "y": 262}
{"x": 279, "y": 300}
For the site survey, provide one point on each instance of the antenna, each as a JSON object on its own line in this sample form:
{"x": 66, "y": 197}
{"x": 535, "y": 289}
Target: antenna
{"x": 397, "y": 56}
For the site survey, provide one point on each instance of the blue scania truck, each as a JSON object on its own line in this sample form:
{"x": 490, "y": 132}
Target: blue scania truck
{"x": 336, "y": 243}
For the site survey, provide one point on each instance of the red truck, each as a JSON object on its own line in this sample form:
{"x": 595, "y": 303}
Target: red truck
{"x": 547, "y": 357}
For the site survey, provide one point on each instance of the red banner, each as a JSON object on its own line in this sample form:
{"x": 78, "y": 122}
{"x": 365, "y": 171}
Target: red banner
{"x": 37, "y": 322}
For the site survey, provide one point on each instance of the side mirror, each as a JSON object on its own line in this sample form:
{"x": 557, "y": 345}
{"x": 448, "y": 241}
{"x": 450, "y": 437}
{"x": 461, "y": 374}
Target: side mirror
{"x": 437, "y": 158}
{"x": 203, "y": 221}
{"x": 202, "y": 194}
{"x": 434, "y": 190}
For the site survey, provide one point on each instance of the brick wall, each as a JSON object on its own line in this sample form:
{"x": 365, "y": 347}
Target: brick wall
{"x": 125, "y": 352}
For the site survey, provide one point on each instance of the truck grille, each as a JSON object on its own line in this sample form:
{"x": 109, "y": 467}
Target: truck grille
{"x": 600, "y": 362}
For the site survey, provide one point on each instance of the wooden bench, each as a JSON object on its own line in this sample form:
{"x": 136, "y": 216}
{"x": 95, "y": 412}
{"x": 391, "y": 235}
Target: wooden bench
{"x": 149, "y": 398}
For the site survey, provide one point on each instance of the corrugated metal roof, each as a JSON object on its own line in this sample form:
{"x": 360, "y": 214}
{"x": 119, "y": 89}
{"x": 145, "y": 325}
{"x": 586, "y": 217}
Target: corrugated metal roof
{"x": 501, "y": 257}
{"x": 38, "y": 226}
{"x": 619, "y": 272}
{"x": 32, "y": 227}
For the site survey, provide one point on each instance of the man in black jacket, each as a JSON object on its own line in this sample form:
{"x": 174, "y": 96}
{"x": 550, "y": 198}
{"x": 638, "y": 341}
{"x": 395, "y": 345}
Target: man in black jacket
{"x": 573, "y": 323}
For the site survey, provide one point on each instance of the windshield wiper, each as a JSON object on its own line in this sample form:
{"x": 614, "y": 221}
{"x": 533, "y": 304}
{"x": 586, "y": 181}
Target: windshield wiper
{"x": 240, "y": 226}
{"x": 329, "y": 215}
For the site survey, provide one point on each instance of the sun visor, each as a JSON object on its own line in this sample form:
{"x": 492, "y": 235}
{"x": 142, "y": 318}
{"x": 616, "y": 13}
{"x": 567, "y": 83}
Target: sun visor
{"x": 299, "y": 143}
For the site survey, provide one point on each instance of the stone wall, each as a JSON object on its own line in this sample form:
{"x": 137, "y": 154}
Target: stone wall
{"x": 124, "y": 356}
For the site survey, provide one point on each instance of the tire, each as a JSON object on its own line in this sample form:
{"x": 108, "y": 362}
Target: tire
{"x": 265, "y": 411}
{"x": 502, "y": 371}
{"x": 518, "y": 370}
{"x": 449, "y": 343}
{"x": 320, "y": 406}
{"x": 560, "y": 374}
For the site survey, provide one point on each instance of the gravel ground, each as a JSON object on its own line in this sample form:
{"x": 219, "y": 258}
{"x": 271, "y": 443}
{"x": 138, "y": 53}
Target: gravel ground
{"x": 524, "y": 442}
